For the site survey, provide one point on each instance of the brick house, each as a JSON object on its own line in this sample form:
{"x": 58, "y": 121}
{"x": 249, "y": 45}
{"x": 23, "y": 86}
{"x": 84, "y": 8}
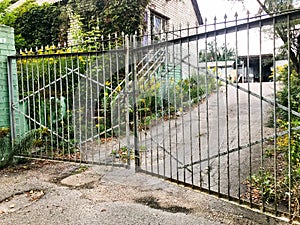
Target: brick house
{"x": 162, "y": 15}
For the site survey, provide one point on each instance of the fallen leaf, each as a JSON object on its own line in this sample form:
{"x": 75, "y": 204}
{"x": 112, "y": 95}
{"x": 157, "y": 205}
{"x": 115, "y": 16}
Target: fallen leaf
{"x": 2, "y": 212}
{"x": 12, "y": 206}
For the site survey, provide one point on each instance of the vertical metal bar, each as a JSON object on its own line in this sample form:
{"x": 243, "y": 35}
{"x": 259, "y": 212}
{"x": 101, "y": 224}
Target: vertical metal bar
{"x": 207, "y": 110}
{"x": 119, "y": 89}
{"x": 199, "y": 98}
{"x": 39, "y": 96}
{"x": 28, "y": 93}
{"x": 11, "y": 100}
{"x": 61, "y": 115}
{"x": 33, "y": 95}
{"x": 275, "y": 119}
{"x": 86, "y": 107}
{"x": 135, "y": 121}
{"x": 237, "y": 106}
{"x": 261, "y": 110}
{"x": 105, "y": 95}
{"x": 147, "y": 112}
{"x": 80, "y": 112}
{"x": 227, "y": 113}
{"x": 127, "y": 119}
{"x": 151, "y": 103}
{"x": 249, "y": 113}
{"x": 68, "y": 97}
{"x": 161, "y": 90}
{"x": 23, "y": 92}
{"x": 289, "y": 116}
{"x": 50, "y": 105}
{"x": 99, "y": 118}
{"x": 175, "y": 104}
{"x": 44, "y": 101}
{"x": 218, "y": 105}
{"x": 190, "y": 107}
{"x": 171, "y": 82}
{"x": 111, "y": 84}
{"x": 156, "y": 114}
{"x": 56, "y": 102}
{"x": 162, "y": 93}
{"x": 74, "y": 113}
{"x": 183, "y": 149}
{"x": 92, "y": 110}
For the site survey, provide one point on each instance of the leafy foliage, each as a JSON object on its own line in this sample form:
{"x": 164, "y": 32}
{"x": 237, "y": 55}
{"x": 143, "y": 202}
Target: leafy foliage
{"x": 287, "y": 148}
{"x": 214, "y": 53}
{"x": 9, "y": 150}
{"x": 113, "y": 18}
{"x": 41, "y": 25}
{"x": 36, "y": 25}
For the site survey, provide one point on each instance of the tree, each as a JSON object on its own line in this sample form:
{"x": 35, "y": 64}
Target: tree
{"x": 126, "y": 16}
{"x": 38, "y": 25}
{"x": 34, "y": 25}
{"x": 221, "y": 53}
{"x": 107, "y": 17}
{"x": 90, "y": 11}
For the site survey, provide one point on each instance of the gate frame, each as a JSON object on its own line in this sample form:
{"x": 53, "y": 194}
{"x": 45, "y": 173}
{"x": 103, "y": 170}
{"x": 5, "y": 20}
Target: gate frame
{"x": 131, "y": 62}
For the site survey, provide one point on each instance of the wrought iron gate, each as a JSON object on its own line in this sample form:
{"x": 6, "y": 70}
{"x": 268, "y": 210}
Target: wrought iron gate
{"x": 181, "y": 105}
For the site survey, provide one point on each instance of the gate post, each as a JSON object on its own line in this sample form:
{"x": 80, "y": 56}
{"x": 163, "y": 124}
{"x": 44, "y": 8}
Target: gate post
{"x": 8, "y": 77}
{"x": 134, "y": 95}
{"x": 127, "y": 107}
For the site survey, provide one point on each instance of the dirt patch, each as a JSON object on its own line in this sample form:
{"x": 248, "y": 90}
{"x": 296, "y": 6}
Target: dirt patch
{"x": 154, "y": 203}
{"x": 26, "y": 165}
{"x": 81, "y": 180}
{"x": 20, "y": 200}
{"x": 67, "y": 172}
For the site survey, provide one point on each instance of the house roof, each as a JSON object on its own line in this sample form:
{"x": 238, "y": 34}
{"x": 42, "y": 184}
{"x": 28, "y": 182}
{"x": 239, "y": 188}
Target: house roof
{"x": 197, "y": 12}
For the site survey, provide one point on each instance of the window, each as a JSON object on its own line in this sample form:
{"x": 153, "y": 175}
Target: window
{"x": 158, "y": 24}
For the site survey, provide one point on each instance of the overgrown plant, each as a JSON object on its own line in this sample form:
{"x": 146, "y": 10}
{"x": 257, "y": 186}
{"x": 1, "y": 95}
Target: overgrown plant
{"x": 166, "y": 97}
{"x": 8, "y": 149}
{"x": 287, "y": 151}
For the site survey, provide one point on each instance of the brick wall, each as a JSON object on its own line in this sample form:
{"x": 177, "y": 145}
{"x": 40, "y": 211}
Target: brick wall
{"x": 7, "y": 47}
{"x": 179, "y": 12}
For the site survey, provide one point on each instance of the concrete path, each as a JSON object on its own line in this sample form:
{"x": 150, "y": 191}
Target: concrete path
{"x": 210, "y": 129}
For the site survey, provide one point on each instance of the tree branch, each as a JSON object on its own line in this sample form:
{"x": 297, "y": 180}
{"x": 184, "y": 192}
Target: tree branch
{"x": 263, "y": 6}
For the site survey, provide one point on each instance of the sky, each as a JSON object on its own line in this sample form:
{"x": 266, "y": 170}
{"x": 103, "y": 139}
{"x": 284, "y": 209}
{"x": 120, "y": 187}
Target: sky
{"x": 218, "y": 8}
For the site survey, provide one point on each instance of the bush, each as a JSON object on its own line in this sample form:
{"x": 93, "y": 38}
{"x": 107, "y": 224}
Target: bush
{"x": 6, "y": 153}
{"x": 288, "y": 149}
{"x": 8, "y": 150}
